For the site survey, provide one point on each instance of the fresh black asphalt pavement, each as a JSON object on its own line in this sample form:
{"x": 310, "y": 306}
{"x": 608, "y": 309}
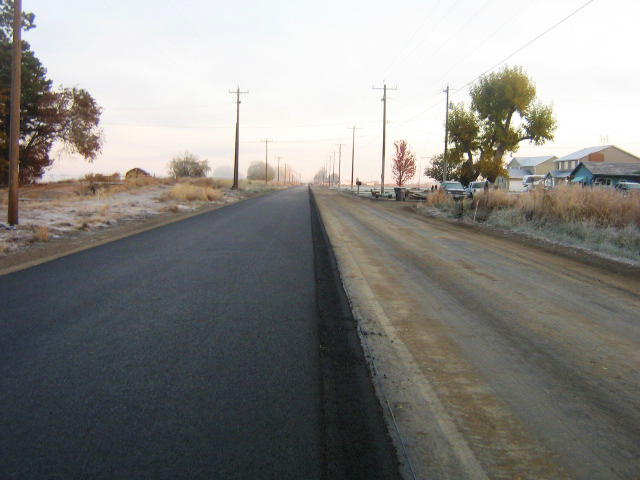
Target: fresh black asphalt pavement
{"x": 220, "y": 346}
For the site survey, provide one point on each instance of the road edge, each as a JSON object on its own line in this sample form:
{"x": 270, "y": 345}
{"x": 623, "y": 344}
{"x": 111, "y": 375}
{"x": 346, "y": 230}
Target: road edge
{"x": 356, "y": 439}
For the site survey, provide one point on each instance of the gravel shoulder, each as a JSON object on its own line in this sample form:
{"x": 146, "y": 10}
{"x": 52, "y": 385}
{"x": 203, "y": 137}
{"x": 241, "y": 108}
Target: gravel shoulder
{"x": 500, "y": 358}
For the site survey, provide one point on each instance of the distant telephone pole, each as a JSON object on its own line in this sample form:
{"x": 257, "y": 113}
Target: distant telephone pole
{"x": 235, "y": 158}
{"x": 14, "y": 122}
{"x": 446, "y": 138}
{"x": 278, "y": 169}
{"x": 353, "y": 151}
{"x": 339, "y": 164}
{"x": 384, "y": 131}
{"x": 333, "y": 167}
{"x": 266, "y": 156}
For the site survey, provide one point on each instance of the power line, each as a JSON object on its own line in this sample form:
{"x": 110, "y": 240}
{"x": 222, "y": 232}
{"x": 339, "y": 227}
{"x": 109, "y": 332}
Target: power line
{"x": 498, "y": 64}
{"x": 448, "y": 40}
{"x": 413, "y": 36}
{"x": 525, "y": 46}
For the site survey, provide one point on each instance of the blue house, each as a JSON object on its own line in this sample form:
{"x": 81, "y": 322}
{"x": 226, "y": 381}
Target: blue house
{"x": 605, "y": 174}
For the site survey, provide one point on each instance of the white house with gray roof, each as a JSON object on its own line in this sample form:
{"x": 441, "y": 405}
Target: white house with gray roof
{"x": 521, "y": 167}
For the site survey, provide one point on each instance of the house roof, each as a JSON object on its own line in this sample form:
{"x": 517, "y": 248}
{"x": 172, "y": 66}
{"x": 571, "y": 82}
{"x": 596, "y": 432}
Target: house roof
{"x": 611, "y": 169}
{"x": 585, "y": 152}
{"x": 532, "y": 161}
{"x": 518, "y": 172}
{"x": 559, "y": 173}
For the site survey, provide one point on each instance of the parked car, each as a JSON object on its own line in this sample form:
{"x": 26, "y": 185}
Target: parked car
{"x": 454, "y": 188}
{"x": 628, "y": 187}
{"x": 477, "y": 186}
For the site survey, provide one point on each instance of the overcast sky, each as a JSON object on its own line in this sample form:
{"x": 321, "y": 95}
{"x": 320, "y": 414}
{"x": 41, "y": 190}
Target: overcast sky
{"x": 162, "y": 71}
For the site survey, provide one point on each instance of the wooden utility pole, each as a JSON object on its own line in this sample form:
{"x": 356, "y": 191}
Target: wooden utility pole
{"x": 235, "y": 159}
{"x": 353, "y": 151}
{"x": 279, "y": 170}
{"x": 384, "y": 131}
{"x": 14, "y": 122}
{"x": 266, "y": 156}
{"x": 446, "y": 138}
{"x": 339, "y": 164}
{"x": 333, "y": 167}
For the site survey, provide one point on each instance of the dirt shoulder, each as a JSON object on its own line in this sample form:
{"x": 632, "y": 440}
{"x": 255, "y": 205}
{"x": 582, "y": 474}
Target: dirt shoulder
{"x": 495, "y": 355}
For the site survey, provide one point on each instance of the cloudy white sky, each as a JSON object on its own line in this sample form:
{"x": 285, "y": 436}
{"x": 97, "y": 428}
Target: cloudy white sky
{"x": 162, "y": 71}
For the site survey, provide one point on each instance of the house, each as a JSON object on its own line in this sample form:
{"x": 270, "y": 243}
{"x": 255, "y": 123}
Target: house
{"x": 603, "y": 154}
{"x": 564, "y": 166}
{"x": 514, "y": 181}
{"x": 556, "y": 177}
{"x": 136, "y": 172}
{"x": 605, "y": 174}
{"x": 535, "y": 165}
{"x": 520, "y": 167}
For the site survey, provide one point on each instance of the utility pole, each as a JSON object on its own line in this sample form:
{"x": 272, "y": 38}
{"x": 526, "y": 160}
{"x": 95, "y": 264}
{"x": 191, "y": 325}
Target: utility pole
{"x": 333, "y": 167}
{"x": 266, "y": 156}
{"x": 278, "y": 169}
{"x": 235, "y": 158}
{"x": 339, "y": 164}
{"x": 446, "y": 138}
{"x": 14, "y": 122}
{"x": 329, "y": 172}
{"x": 285, "y": 175}
{"x": 353, "y": 151}
{"x": 384, "y": 131}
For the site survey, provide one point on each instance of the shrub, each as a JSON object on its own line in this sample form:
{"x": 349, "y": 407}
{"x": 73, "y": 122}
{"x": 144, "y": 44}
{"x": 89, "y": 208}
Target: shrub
{"x": 188, "y": 165}
{"x": 189, "y": 193}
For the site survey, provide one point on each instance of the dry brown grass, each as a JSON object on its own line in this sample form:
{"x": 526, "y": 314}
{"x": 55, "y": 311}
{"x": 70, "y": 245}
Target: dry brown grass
{"x": 143, "y": 181}
{"x": 41, "y": 233}
{"x": 439, "y": 197}
{"x": 189, "y": 192}
{"x": 600, "y": 206}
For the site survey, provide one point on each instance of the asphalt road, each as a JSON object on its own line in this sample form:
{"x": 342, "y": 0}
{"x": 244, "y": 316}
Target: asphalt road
{"x": 501, "y": 357}
{"x": 189, "y": 351}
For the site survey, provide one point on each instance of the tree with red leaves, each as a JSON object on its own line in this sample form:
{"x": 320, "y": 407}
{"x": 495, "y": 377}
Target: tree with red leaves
{"x": 404, "y": 163}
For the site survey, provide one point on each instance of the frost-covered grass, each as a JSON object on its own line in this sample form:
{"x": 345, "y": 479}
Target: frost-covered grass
{"x": 598, "y": 220}
{"x": 189, "y": 192}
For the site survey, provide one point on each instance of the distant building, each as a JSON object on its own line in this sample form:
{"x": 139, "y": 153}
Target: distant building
{"x": 136, "y": 172}
{"x": 520, "y": 167}
{"x": 605, "y": 174}
{"x": 564, "y": 166}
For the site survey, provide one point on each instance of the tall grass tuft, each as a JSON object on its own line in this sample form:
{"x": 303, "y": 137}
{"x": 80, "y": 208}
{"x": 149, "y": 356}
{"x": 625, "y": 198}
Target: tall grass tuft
{"x": 188, "y": 192}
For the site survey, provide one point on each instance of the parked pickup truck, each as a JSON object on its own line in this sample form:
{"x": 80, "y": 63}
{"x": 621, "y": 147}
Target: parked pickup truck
{"x": 453, "y": 188}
